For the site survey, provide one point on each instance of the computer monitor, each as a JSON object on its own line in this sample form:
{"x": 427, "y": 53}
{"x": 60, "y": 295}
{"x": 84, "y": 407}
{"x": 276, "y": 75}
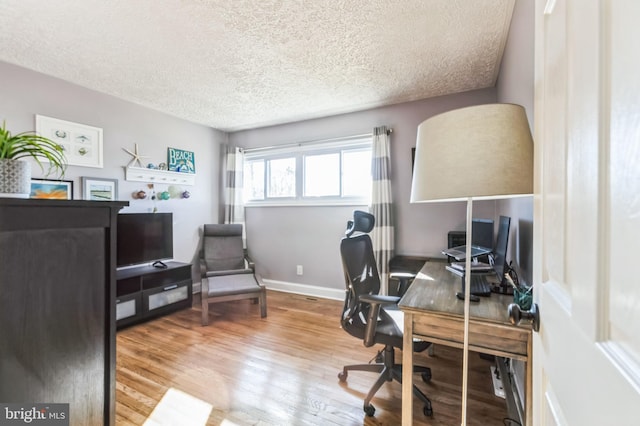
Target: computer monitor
{"x": 482, "y": 232}
{"x": 500, "y": 249}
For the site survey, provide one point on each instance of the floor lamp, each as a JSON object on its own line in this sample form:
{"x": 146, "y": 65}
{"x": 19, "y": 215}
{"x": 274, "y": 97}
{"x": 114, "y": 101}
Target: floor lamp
{"x": 481, "y": 152}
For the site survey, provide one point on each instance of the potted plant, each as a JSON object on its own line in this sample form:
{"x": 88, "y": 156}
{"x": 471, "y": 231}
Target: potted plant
{"x": 15, "y": 175}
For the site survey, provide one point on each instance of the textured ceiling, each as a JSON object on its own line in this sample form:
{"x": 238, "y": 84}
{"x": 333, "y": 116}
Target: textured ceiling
{"x": 238, "y": 64}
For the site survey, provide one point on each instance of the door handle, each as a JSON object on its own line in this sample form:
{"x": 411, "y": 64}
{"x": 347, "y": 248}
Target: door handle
{"x": 516, "y": 315}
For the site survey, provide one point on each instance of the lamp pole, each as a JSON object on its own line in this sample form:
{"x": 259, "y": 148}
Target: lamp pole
{"x": 467, "y": 296}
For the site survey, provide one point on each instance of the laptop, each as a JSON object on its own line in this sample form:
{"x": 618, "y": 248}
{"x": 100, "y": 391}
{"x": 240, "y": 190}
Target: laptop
{"x": 481, "y": 240}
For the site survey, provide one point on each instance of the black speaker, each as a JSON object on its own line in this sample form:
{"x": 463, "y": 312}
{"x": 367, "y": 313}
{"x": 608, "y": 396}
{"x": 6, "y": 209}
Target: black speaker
{"x": 455, "y": 239}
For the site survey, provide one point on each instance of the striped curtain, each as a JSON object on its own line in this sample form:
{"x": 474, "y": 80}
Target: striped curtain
{"x": 382, "y": 235}
{"x": 233, "y": 205}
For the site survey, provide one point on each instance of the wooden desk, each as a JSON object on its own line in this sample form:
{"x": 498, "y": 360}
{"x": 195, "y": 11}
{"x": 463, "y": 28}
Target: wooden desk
{"x": 433, "y": 313}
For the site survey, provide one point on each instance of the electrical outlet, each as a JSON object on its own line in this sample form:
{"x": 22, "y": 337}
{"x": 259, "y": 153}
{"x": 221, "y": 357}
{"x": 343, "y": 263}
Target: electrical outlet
{"x": 498, "y": 389}
{"x": 299, "y": 269}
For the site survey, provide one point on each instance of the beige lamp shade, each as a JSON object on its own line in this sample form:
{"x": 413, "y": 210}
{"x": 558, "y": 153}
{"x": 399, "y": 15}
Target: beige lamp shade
{"x": 482, "y": 152}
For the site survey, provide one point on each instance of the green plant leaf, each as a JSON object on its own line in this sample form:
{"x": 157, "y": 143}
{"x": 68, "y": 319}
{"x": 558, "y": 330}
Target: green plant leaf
{"x": 30, "y": 144}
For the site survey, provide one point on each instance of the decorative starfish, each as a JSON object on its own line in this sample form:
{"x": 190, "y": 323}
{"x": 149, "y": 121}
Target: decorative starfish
{"x": 136, "y": 157}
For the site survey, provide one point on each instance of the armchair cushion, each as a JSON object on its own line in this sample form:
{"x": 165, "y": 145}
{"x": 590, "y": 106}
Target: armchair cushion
{"x": 232, "y": 284}
{"x": 222, "y": 247}
{"x": 225, "y": 272}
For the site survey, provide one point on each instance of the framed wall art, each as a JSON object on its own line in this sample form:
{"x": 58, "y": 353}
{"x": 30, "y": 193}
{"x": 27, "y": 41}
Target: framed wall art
{"x": 99, "y": 189}
{"x": 182, "y": 161}
{"x": 82, "y": 144}
{"x": 45, "y": 189}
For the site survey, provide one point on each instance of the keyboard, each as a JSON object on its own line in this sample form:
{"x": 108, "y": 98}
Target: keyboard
{"x": 479, "y": 285}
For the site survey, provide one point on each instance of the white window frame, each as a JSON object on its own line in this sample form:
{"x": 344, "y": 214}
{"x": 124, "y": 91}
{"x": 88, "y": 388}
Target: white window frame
{"x": 299, "y": 151}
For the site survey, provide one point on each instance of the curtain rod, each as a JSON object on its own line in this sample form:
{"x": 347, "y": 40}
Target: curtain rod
{"x": 297, "y": 144}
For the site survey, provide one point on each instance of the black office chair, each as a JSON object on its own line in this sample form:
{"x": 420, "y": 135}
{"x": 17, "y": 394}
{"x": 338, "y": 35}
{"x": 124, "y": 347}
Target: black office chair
{"x": 371, "y": 317}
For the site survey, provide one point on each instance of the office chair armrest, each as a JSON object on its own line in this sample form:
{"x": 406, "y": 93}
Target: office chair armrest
{"x": 404, "y": 280}
{"x": 375, "y": 300}
{"x": 402, "y": 275}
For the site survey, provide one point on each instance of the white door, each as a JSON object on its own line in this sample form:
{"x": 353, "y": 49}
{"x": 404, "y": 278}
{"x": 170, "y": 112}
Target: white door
{"x": 587, "y": 213}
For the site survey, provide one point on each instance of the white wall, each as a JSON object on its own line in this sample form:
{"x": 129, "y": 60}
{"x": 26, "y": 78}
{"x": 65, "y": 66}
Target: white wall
{"x": 516, "y": 80}
{"x": 516, "y": 85}
{"x": 24, "y": 93}
{"x": 279, "y": 238}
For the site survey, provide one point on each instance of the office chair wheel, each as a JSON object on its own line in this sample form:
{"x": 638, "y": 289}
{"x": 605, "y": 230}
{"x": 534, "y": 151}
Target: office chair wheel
{"x": 342, "y": 376}
{"x": 369, "y": 410}
{"x": 426, "y": 376}
{"x": 427, "y": 410}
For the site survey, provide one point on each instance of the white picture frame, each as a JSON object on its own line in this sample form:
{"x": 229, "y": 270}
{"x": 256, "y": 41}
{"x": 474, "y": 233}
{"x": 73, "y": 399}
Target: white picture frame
{"x": 99, "y": 189}
{"x": 82, "y": 144}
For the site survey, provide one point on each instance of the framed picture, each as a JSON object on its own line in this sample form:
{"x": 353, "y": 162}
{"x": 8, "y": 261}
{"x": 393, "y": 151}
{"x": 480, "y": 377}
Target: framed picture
{"x": 51, "y": 189}
{"x": 99, "y": 189}
{"x": 179, "y": 160}
{"x": 82, "y": 144}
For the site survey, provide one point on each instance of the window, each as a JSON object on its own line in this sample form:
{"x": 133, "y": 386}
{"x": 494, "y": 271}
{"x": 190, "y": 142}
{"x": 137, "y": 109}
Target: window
{"x": 322, "y": 175}
{"x": 253, "y": 180}
{"x": 335, "y": 172}
{"x": 281, "y": 178}
{"x": 356, "y": 174}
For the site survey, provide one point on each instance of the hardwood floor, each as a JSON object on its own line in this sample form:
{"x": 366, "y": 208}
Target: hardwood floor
{"x": 279, "y": 370}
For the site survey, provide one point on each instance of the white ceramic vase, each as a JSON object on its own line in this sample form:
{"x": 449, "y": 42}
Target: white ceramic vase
{"x": 15, "y": 178}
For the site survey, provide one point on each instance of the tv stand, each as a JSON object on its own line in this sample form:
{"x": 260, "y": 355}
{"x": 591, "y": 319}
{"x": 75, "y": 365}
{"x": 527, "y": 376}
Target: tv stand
{"x": 147, "y": 291}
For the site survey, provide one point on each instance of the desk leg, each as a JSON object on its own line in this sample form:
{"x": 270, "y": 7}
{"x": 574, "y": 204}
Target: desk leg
{"x": 407, "y": 369}
{"x": 528, "y": 398}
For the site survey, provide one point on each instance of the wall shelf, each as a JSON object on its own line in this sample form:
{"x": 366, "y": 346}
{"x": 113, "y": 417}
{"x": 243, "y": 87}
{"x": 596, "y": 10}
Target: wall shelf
{"x": 141, "y": 174}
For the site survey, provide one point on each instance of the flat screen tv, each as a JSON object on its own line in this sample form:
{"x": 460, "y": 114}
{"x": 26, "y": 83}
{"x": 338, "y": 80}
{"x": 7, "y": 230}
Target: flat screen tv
{"x": 144, "y": 238}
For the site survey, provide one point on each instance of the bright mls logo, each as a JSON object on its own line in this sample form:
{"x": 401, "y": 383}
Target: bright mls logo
{"x": 34, "y": 414}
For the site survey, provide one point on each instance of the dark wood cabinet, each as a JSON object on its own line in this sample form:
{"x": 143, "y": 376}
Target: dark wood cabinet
{"x": 144, "y": 292}
{"x": 57, "y": 305}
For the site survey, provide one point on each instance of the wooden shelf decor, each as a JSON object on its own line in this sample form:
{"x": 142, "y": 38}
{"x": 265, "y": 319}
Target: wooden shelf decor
{"x": 141, "y": 174}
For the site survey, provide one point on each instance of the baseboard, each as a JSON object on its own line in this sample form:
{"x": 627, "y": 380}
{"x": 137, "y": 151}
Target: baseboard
{"x": 304, "y": 289}
{"x": 287, "y": 287}
{"x": 515, "y": 406}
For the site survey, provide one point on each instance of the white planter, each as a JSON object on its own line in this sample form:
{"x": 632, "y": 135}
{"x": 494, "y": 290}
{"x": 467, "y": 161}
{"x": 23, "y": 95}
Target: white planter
{"x": 15, "y": 178}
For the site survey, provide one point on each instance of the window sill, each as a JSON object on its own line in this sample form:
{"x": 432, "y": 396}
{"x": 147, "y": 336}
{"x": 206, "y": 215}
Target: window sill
{"x": 309, "y": 203}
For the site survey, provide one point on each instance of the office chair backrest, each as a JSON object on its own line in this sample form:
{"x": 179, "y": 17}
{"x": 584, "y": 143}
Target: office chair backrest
{"x": 362, "y": 222}
{"x": 222, "y": 247}
{"x": 360, "y": 272}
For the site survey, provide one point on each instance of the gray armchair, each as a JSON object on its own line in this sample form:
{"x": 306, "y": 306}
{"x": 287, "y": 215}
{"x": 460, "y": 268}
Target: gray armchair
{"x": 227, "y": 272}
